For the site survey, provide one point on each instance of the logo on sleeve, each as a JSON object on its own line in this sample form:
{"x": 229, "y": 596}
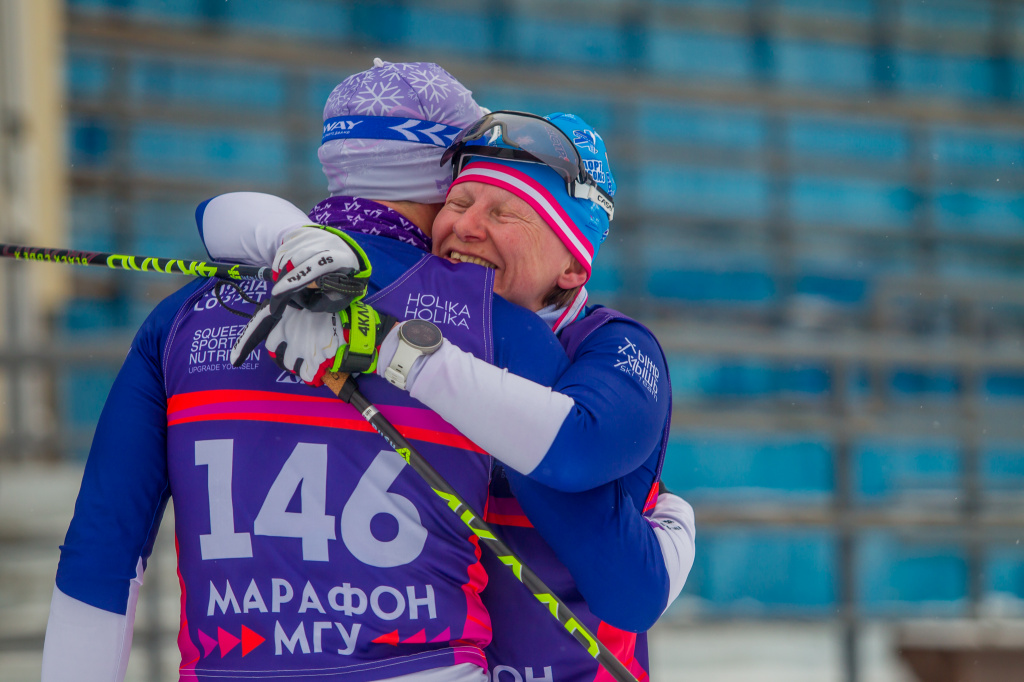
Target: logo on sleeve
{"x": 667, "y": 524}
{"x": 639, "y": 365}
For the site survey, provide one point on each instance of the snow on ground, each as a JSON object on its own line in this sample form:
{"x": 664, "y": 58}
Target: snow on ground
{"x": 768, "y": 652}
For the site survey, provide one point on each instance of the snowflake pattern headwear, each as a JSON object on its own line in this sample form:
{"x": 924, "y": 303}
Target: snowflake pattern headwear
{"x": 396, "y": 157}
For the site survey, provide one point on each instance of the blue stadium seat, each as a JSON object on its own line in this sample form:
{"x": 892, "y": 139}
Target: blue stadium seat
{"x": 847, "y": 10}
{"x": 699, "y": 55}
{"x": 1004, "y": 574}
{"x": 991, "y": 149}
{"x": 918, "y": 384}
{"x": 595, "y": 109}
{"x": 663, "y": 123}
{"x": 1004, "y": 385}
{"x": 239, "y": 88}
{"x": 218, "y": 154}
{"x": 712, "y": 465}
{"x": 708, "y": 192}
{"x": 322, "y": 19}
{"x": 943, "y": 76}
{"x": 823, "y": 66}
{"x": 979, "y": 211}
{"x": 593, "y": 44}
{"x": 87, "y": 73}
{"x": 89, "y": 142}
{"x": 946, "y": 15}
{"x": 699, "y": 378}
{"x": 606, "y": 277}
{"x": 1002, "y": 468}
{"x": 167, "y": 222}
{"x": 817, "y": 136}
{"x": 833, "y": 288}
{"x": 90, "y": 216}
{"x": 871, "y": 205}
{"x": 465, "y": 31}
{"x": 901, "y": 470}
{"x": 81, "y": 394}
{"x": 90, "y": 316}
{"x": 731, "y": 288}
{"x": 900, "y": 576}
{"x": 741, "y": 5}
{"x": 764, "y": 570}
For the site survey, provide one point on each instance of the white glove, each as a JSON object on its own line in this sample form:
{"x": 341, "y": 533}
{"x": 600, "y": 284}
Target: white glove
{"x": 306, "y": 253}
{"x": 256, "y": 330}
{"x": 305, "y": 343}
{"x": 311, "y": 344}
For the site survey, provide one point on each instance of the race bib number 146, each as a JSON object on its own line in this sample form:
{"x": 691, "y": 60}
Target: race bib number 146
{"x": 305, "y": 471}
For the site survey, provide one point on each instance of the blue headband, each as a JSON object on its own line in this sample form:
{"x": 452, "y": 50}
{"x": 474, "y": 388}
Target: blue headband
{"x": 389, "y": 128}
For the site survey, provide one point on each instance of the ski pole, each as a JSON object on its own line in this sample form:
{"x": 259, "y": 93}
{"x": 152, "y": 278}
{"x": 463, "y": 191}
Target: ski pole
{"x": 345, "y": 388}
{"x": 116, "y": 261}
{"x": 335, "y": 290}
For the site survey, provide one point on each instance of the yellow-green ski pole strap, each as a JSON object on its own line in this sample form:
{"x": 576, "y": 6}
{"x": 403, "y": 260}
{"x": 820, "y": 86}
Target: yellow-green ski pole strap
{"x": 360, "y": 353}
{"x": 364, "y": 260}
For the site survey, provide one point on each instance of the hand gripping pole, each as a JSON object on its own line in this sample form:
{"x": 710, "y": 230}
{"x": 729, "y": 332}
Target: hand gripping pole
{"x": 345, "y": 388}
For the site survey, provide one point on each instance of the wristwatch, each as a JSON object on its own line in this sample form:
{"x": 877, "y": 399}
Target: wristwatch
{"x": 415, "y": 338}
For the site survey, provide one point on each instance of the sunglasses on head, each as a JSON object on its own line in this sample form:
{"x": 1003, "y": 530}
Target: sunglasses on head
{"x": 531, "y": 139}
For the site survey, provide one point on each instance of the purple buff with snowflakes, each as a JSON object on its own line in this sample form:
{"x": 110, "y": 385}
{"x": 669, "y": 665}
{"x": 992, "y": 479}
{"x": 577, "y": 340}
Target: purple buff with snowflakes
{"x": 386, "y": 129}
{"x": 368, "y": 217}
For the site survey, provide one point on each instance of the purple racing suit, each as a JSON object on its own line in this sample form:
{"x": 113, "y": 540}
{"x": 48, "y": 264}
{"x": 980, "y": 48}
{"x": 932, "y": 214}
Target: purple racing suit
{"x": 305, "y": 545}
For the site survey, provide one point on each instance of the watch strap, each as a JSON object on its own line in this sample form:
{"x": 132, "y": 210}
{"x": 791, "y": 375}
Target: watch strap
{"x": 397, "y": 372}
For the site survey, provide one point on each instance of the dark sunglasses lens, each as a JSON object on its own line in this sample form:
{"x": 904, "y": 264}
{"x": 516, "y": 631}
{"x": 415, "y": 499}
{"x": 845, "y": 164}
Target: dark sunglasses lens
{"x": 471, "y": 132}
{"x": 536, "y": 136}
{"x": 546, "y": 142}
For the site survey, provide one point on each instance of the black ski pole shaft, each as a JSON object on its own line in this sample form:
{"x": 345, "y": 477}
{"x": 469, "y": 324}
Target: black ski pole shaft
{"x": 345, "y": 388}
{"x": 117, "y": 261}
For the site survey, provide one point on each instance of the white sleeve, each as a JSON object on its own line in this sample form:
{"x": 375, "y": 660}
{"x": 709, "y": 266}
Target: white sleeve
{"x": 247, "y": 227}
{"x": 676, "y": 533}
{"x": 514, "y": 419}
{"x": 87, "y": 644}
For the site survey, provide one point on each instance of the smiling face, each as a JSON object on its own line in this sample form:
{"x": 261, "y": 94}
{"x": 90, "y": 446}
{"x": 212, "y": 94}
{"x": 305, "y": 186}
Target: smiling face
{"x": 490, "y": 226}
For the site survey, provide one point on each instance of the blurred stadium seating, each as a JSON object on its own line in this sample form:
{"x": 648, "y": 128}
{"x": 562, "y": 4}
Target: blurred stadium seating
{"x": 820, "y": 212}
